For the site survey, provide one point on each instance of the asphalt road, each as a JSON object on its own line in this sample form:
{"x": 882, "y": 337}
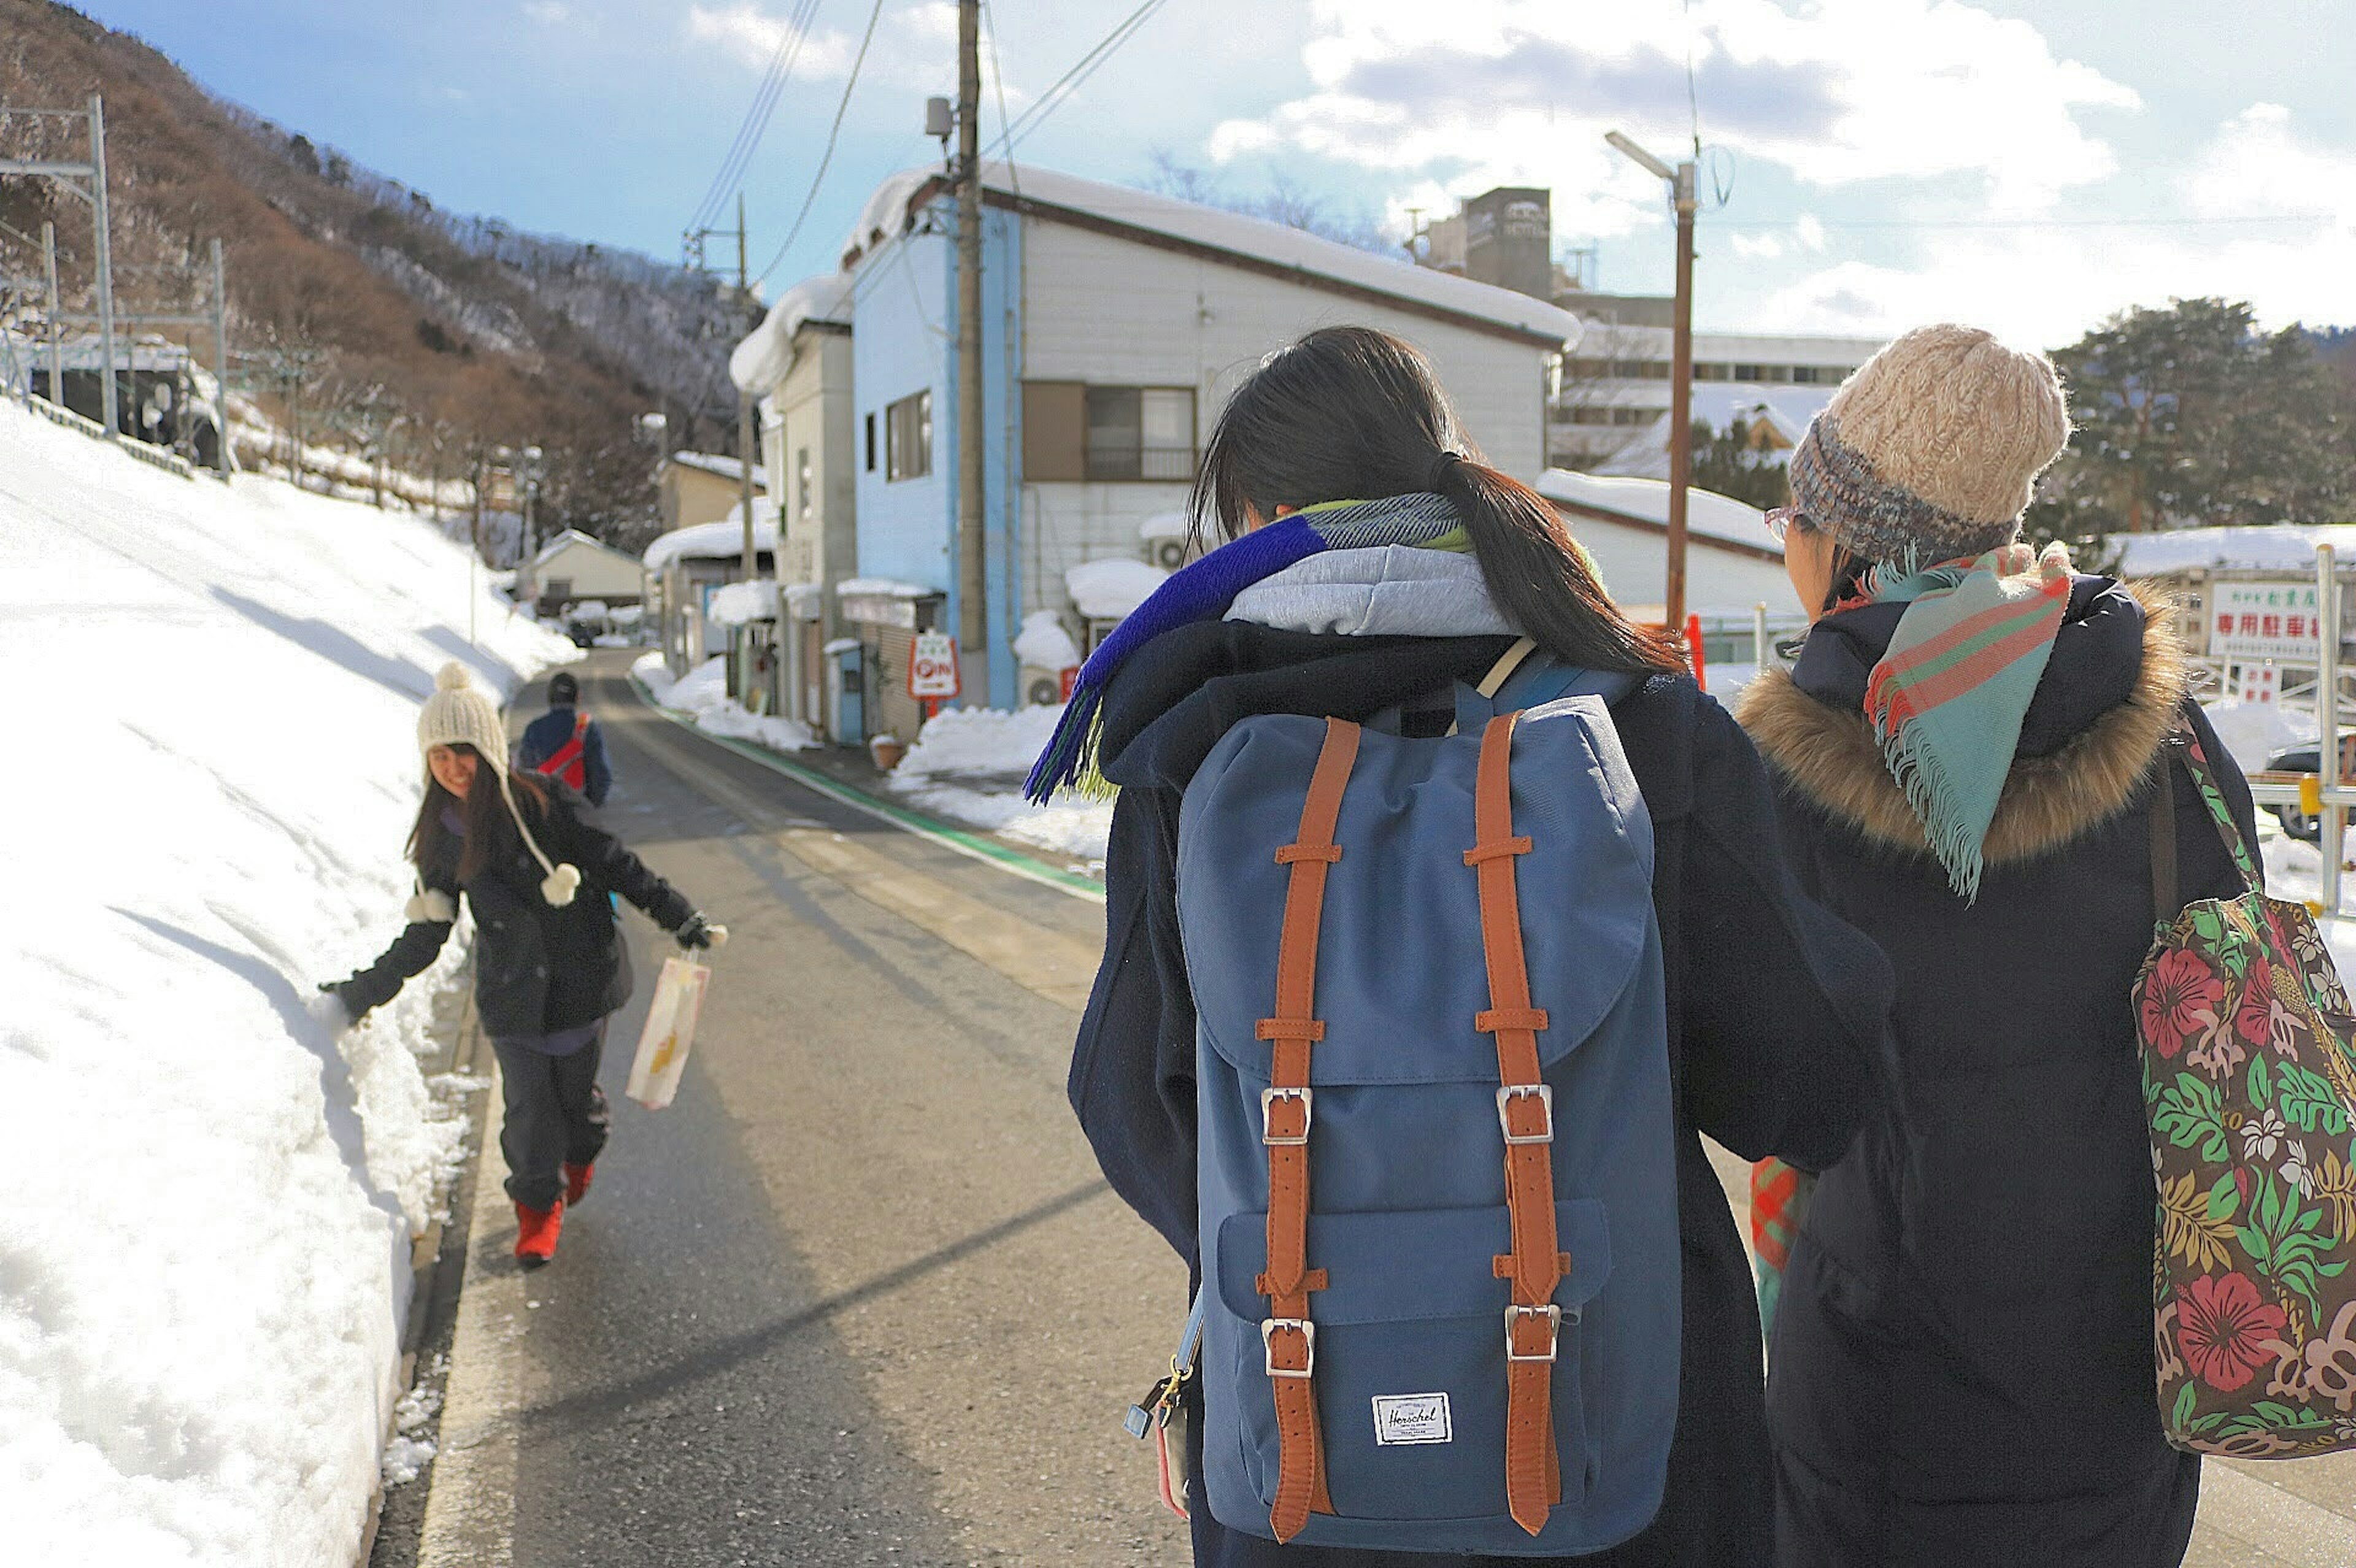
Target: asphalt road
{"x": 859, "y": 1296}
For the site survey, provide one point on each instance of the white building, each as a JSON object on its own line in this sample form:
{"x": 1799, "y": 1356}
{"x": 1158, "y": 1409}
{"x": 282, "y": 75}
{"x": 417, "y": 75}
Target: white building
{"x": 573, "y": 567}
{"x": 1115, "y": 323}
{"x": 1732, "y": 563}
{"x": 1612, "y": 413}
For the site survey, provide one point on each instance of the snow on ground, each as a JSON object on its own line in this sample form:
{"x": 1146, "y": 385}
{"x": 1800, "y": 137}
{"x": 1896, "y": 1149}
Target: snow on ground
{"x": 969, "y": 766}
{"x": 213, "y": 692}
{"x": 703, "y": 694}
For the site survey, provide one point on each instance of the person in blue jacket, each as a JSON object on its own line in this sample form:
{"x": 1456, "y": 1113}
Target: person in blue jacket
{"x": 1773, "y": 1005}
{"x": 567, "y": 745}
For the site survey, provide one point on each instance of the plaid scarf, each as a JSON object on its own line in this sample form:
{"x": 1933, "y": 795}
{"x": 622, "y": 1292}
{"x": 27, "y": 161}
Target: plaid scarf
{"x": 1949, "y": 696}
{"x": 1203, "y": 590}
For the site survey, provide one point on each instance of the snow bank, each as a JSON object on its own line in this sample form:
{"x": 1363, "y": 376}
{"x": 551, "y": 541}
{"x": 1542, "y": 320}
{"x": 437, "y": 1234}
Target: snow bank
{"x": 735, "y": 603}
{"x": 204, "y": 1250}
{"x": 969, "y": 766}
{"x": 703, "y": 694}
{"x": 1109, "y": 590}
{"x": 2253, "y": 731}
{"x": 1043, "y": 644}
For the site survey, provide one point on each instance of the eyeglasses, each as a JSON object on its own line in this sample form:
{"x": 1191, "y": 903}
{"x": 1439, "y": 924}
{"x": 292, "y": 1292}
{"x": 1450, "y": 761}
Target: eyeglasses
{"x": 1780, "y": 518}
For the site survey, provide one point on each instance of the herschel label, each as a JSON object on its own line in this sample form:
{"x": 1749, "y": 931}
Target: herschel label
{"x": 1411, "y": 1418}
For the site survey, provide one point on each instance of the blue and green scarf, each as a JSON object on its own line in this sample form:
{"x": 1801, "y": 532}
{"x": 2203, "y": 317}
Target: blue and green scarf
{"x": 1948, "y": 698}
{"x": 1204, "y": 592}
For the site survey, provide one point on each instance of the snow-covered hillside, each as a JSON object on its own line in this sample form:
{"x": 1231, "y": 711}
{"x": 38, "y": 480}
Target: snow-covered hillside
{"x": 211, "y": 696}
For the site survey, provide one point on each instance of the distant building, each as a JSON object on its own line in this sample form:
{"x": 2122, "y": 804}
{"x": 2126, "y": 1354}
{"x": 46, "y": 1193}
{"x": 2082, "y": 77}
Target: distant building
{"x": 798, "y": 363}
{"x": 683, "y": 569}
{"x": 1732, "y": 563}
{"x": 573, "y": 567}
{"x": 694, "y": 487}
{"x": 1115, "y": 323}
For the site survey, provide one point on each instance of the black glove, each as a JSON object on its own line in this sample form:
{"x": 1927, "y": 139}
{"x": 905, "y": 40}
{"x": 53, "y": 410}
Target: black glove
{"x": 333, "y": 1009}
{"x": 697, "y": 931}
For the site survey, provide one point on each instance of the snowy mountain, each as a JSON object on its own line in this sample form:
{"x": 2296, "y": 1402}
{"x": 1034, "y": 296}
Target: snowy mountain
{"x": 204, "y": 1256}
{"x": 383, "y": 304}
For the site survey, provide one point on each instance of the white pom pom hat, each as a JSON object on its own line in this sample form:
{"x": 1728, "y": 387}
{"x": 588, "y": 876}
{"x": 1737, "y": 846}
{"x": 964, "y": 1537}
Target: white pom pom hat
{"x": 462, "y": 713}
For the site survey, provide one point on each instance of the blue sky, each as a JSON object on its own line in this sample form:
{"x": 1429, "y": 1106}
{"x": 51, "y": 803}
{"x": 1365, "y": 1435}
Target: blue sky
{"x": 2030, "y": 164}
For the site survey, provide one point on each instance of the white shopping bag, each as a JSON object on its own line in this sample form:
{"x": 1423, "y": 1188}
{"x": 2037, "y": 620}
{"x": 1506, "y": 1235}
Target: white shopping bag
{"x": 669, "y": 1031}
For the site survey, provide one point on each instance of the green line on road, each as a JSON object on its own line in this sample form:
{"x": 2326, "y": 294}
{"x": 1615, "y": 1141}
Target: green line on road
{"x": 907, "y": 821}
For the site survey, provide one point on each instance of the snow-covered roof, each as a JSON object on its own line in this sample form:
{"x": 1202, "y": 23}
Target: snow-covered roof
{"x": 1165, "y": 526}
{"x": 1647, "y": 501}
{"x": 713, "y": 463}
{"x": 882, "y": 587}
{"x": 2284, "y": 546}
{"x": 760, "y": 362}
{"x": 571, "y": 537}
{"x": 1109, "y": 590}
{"x": 720, "y": 540}
{"x": 1785, "y": 410}
{"x": 886, "y": 214}
{"x": 734, "y": 603}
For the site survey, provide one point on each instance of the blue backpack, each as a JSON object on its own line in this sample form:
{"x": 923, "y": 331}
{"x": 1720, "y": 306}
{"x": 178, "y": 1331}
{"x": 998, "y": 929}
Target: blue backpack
{"x": 1429, "y": 979}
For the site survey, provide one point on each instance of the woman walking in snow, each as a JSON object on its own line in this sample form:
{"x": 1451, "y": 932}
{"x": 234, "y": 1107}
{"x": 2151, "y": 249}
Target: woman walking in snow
{"x": 549, "y": 966}
{"x": 1430, "y": 564}
{"x": 1968, "y": 747}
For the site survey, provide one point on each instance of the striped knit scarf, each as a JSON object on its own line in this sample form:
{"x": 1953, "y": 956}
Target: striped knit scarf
{"x": 1203, "y": 590}
{"x": 1949, "y": 696}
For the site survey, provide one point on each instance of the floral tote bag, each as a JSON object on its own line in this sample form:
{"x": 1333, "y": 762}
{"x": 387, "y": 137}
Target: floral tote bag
{"x": 2250, "y": 1085}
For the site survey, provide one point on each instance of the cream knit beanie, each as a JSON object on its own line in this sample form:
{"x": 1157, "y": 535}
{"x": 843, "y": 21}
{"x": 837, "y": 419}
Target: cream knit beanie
{"x": 462, "y": 713}
{"x": 1931, "y": 450}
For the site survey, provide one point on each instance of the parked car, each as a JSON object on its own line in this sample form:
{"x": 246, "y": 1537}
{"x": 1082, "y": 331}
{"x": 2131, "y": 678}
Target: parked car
{"x": 2302, "y": 758}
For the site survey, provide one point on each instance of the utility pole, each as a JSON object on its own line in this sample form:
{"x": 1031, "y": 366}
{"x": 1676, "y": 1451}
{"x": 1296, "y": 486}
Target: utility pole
{"x": 973, "y": 575}
{"x": 745, "y": 435}
{"x": 56, "y": 354}
{"x": 1681, "y": 182}
{"x": 220, "y": 359}
{"x": 105, "y": 258}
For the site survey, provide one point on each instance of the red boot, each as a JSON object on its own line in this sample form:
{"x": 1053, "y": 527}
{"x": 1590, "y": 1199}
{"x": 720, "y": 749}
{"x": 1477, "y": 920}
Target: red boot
{"x": 536, "y": 1230}
{"x": 576, "y": 1181}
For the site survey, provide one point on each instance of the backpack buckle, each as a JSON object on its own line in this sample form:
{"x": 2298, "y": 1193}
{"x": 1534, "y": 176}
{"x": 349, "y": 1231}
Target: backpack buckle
{"x": 1269, "y": 1136}
{"x": 1544, "y": 1094}
{"x": 1268, "y": 1328}
{"x": 1550, "y": 1312}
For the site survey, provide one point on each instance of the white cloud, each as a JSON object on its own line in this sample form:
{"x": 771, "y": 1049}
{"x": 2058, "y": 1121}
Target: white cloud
{"x": 1521, "y": 91}
{"x": 548, "y": 13}
{"x": 915, "y": 47}
{"x": 752, "y": 37}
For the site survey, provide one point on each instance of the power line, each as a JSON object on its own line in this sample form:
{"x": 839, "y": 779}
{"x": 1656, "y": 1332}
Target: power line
{"x": 1070, "y": 82}
{"x": 755, "y": 123}
{"x": 832, "y": 134}
{"x": 1905, "y": 223}
{"x": 998, "y": 81}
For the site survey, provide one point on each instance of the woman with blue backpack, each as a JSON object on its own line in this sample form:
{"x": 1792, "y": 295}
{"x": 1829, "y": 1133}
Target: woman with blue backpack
{"x": 1974, "y": 753}
{"x": 1445, "y": 915}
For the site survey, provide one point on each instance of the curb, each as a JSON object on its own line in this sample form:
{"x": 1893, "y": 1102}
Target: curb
{"x": 970, "y": 845}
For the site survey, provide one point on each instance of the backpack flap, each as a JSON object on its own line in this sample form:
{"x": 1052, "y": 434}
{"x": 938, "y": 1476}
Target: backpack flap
{"x": 1401, "y": 933}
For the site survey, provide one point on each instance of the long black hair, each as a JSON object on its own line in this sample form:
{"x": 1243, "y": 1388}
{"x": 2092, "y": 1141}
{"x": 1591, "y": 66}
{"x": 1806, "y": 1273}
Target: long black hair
{"x": 490, "y": 831}
{"x": 1351, "y": 413}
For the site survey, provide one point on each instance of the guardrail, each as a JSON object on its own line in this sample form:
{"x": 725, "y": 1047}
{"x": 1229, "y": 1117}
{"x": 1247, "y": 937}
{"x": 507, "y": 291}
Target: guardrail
{"x": 154, "y": 456}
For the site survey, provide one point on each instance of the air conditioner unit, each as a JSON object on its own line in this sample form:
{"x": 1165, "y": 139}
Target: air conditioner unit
{"x": 1045, "y": 691}
{"x": 1170, "y": 554}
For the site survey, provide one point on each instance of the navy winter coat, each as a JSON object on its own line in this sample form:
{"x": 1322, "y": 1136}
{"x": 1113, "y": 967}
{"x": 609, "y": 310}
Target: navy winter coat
{"x": 1774, "y": 1007}
{"x": 546, "y": 735}
{"x": 538, "y": 968}
{"x": 1961, "y": 1371}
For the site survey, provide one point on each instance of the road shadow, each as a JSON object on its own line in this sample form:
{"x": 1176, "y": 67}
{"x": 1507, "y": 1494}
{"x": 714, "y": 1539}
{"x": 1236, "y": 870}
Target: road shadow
{"x": 496, "y": 673}
{"x": 333, "y": 644}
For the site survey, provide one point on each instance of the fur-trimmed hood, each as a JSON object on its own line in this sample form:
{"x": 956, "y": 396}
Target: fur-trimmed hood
{"x": 1824, "y": 745}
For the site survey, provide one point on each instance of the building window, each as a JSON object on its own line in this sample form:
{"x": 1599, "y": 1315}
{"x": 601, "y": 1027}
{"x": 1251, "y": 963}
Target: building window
{"x": 1141, "y": 432}
{"x": 1074, "y": 433}
{"x": 908, "y": 437}
{"x": 1754, "y": 373}
{"x": 871, "y": 443}
{"x": 802, "y": 484}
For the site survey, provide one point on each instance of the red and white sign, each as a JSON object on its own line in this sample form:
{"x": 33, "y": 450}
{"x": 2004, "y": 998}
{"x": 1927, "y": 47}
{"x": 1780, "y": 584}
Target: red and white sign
{"x": 933, "y": 666}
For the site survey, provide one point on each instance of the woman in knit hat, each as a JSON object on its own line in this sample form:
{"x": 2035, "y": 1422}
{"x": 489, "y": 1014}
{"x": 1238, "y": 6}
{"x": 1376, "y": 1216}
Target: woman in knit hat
{"x": 1969, "y": 746}
{"x": 550, "y": 968}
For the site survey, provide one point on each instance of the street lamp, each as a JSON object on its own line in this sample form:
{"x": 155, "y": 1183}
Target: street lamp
{"x": 1680, "y": 181}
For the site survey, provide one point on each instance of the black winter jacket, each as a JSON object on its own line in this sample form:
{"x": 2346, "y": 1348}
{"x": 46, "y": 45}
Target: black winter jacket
{"x": 538, "y": 968}
{"x": 1962, "y": 1371}
{"x": 1774, "y": 1007}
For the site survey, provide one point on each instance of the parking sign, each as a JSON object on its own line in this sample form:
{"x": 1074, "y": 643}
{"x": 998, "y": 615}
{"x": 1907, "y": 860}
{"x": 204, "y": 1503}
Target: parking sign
{"x": 933, "y": 666}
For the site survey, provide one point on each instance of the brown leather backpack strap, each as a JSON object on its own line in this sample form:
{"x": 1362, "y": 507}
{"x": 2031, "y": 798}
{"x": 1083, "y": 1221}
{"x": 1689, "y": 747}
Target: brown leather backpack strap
{"x": 1525, "y": 1112}
{"x": 1287, "y": 1334}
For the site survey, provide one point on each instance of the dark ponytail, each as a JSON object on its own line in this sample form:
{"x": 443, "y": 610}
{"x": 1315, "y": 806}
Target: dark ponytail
{"x": 1349, "y": 413}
